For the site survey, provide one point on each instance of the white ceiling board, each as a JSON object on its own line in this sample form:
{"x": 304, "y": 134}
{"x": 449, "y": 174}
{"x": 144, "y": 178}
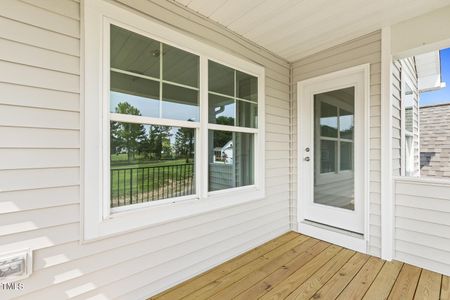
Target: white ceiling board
{"x": 260, "y": 14}
{"x": 227, "y": 14}
{"x": 206, "y": 7}
{"x": 184, "y": 2}
{"x": 294, "y": 29}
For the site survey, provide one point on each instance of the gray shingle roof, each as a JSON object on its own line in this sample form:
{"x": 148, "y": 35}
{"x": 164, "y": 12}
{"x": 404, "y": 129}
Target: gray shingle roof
{"x": 435, "y": 140}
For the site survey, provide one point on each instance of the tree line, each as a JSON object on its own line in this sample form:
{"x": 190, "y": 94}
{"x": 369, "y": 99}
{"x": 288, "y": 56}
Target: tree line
{"x": 151, "y": 143}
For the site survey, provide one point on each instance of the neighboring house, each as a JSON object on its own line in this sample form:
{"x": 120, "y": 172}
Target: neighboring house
{"x": 435, "y": 140}
{"x": 321, "y": 98}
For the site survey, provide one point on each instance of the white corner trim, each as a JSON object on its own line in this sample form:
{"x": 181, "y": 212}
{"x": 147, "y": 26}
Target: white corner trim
{"x": 387, "y": 203}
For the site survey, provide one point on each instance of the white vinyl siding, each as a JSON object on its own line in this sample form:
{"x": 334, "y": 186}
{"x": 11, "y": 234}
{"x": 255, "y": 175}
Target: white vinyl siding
{"x": 366, "y": 49}
{"x": 396, "y": 117}
{"x": 422, "y": 223}
{"x": 40, "y": 164}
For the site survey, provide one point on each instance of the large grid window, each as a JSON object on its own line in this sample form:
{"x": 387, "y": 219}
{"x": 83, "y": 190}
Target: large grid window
{"x": 154, "y": 129}
{"x": 172, "y": 126}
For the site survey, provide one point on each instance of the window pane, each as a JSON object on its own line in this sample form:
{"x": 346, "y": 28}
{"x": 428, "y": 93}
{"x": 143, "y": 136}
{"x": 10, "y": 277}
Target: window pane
{"x": 346, "y": 156}
{"x": 142, "y": 95}
{"x": 180, "y": 103}
{"x": 409, "y": 108}
{"x": 328, "y": 119}
{"x": 346, "y": 124}
{"x": 327, "y": 156}
{"x": 231, "y": 160}
{"x": 220, "y": 79}
{"x": 221, "y": 110}
{"x": 246, "y": 86}
{"x": 247, "y": 114}
{"x": 150, "y": 163}
{"x": 180, "y": 66}
{"x": 134, "y": 53}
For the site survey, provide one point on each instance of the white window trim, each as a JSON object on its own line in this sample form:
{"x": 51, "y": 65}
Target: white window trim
{"x": 98, "y": 222}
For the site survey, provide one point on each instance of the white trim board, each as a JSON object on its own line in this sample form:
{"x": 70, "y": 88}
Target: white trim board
{"x": 387, "y": 203}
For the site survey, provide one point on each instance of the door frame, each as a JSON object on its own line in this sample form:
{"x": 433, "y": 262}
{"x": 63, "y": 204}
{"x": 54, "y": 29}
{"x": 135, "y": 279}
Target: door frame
{"x": 358, "y": 242}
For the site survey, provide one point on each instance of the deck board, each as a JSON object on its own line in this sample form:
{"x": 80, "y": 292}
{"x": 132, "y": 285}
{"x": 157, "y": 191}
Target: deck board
{"x": 406, "y": 284}
{"x": 358, "y": 287}
{"x": 334, "y": 287}
{"x": 214, "y": 287}
{"x": 429, "y": 285}
{"x": 195, "y": 283}
{"x": 383, "y": 283}
{"x": 295, "y": 266}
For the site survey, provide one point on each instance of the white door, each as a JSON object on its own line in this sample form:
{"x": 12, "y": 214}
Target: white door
{"x": 333, "y": 149}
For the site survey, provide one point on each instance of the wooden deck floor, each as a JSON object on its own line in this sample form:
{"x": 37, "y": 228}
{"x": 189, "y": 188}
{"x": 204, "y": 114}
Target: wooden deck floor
{"x": 295, "y": 266}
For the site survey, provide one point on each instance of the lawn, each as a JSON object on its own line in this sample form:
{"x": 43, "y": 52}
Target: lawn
{"x": 144, "y": 180}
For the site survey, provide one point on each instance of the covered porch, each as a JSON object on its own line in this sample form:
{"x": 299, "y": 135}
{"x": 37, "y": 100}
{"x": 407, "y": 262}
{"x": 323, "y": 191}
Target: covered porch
{"x": 218, "y": 149}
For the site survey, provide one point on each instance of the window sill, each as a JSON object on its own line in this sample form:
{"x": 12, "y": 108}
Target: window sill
{"x": 161, "y": 213}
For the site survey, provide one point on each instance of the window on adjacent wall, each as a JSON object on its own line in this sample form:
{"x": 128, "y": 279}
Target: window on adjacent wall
{"x": 410, "y": 118}
{"x": 424, "y": 114}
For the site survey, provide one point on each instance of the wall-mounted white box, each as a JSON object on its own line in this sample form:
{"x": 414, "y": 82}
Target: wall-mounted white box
{"x": 15, "y": 265}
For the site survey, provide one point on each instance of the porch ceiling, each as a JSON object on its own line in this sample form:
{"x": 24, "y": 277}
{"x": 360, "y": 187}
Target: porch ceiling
{"x": 294, "y": 29}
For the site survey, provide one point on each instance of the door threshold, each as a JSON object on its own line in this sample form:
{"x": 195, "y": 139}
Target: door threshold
{"x": 348, "y": 239}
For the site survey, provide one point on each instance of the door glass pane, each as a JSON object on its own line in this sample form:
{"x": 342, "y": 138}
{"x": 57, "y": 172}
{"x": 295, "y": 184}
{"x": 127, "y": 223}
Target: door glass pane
{"x": 346, "y": 124}
{"x": 328, "y": 119}
{"x": 333, "y": 144}
{"x": 346, "y": 156}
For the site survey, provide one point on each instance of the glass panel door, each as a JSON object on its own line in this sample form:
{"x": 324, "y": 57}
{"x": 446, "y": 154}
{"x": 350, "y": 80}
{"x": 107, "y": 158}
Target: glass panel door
{"x": 334, "y": 148}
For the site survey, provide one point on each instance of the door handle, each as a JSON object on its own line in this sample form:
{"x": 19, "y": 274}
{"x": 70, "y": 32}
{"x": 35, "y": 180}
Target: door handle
{"x": 307, "y": 158}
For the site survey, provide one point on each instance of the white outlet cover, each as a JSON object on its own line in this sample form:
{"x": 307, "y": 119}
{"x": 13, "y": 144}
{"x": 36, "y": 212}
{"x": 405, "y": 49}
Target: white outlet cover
{"x": 20, "y": 254}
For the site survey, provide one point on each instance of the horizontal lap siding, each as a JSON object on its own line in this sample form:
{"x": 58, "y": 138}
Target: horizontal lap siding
{"x": 422, "y": 224}
{"x": 396, "y": 117}
{"x": 366, "y": 49}
{"x": 40, "y": 165}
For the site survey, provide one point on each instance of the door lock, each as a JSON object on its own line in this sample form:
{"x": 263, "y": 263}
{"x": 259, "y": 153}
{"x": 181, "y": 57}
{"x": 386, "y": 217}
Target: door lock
{"x": 307, "y": 158}
{"x": 307, "y": 149}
